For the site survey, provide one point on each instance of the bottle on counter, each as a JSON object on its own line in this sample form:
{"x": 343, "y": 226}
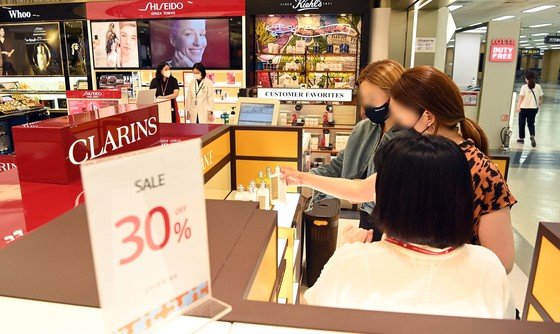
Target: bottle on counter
{"x": 240, "y": 195}
{"x": 264, "y": 197}
{"x": 277, "y": 187}
{"x": 232, "y": 115}
{"x": 252, "y": 194}
{"x": 260, "y": 177}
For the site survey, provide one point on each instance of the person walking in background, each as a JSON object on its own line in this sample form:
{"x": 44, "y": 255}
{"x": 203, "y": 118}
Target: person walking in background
{"x": 530, "y": 99}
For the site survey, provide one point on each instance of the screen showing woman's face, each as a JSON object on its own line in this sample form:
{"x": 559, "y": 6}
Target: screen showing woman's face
{"x": 189, "y": 38}
{"x": 128, "y": 40}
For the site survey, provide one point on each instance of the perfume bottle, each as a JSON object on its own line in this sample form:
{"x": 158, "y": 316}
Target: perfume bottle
{"x": 267, "y": 177}
{"x": 232, "y": 115}
{"x": 240, "y": 195}
{"x": 42, "y": 60}
{"x": 264, "y": 197}
{"x": 260, "y": 177}
{"x": 277, "y": 187}
{"x": 252, "y": 194}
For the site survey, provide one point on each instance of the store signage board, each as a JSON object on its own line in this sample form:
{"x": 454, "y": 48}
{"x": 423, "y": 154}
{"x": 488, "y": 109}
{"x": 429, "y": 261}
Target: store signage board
{"x": 425, "y": 44}
{"x": 305, "y": 6}
{"x": 55, "y": 12}
{"x": 502, "y": 50}
{"x": 297, "y": 94}
{"x": 140, "y": 9}
{"x": 148, "y": 235}
{"x": 94, "y": 94}
{"x": 550, "y": 39}
{"x": 530, "y": 51}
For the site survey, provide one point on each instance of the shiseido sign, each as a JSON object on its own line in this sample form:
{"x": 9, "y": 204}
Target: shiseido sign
{"x": 162, "y": 8}
{"x": 94, "y": 94}
{"x": 306, "y": 5}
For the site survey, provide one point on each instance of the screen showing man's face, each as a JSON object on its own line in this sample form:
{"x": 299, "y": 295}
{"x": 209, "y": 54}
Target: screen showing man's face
{"x": 189, "y": 38}
{"x": 128, "y": 40}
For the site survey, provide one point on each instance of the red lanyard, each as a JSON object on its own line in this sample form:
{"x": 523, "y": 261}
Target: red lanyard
{"x": 418, "y": 249}
{"x": 164, "y": 89}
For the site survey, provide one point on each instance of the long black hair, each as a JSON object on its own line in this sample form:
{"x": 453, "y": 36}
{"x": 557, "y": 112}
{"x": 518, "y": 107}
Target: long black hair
{"x": 201, "y": 68}
{"x": 530, "y": 76}
{"x": 160, "y": 67}
{"x": 424, "y": 191}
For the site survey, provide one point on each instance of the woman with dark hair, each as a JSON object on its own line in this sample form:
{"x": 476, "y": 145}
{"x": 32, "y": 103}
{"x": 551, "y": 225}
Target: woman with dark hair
{"x": 167, "y": 88}
{"x": 427, "y": 264}
{"x": 428, "y": 101}
{"x": 200, "y": 97}
{"x": 530, "y": 99}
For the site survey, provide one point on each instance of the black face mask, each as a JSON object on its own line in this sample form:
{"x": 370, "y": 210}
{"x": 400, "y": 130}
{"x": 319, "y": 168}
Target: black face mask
{"x": 378, "y": 115}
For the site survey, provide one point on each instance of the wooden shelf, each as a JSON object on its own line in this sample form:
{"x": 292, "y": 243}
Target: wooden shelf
{"x": 338, "y": 128}
{"x": 331, "y": 71}
{"x": 331, "y": 152}
{"x": 280, "y": 71}
{"x": 308, "y": 54}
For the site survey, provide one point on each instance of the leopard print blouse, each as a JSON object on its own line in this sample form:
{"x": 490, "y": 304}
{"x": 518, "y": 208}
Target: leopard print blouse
{"x": 491, "y": 192}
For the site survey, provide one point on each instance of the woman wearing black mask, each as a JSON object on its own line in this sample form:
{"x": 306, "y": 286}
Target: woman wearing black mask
{"x": 356, "y": 161}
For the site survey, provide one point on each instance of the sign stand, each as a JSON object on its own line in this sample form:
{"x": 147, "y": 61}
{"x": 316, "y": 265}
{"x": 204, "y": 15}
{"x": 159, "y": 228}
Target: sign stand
{"x": 147, "y": 224}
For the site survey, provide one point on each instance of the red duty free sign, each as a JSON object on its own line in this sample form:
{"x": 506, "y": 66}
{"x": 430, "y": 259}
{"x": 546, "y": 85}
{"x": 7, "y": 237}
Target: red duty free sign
{"x": 502, "y": 50}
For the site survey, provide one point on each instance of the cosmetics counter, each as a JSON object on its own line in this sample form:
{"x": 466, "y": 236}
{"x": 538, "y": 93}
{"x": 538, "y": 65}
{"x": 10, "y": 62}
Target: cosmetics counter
{"x": 254, "y": 258}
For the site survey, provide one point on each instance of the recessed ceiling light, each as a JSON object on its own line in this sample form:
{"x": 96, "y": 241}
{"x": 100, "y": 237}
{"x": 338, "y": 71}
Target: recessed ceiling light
{"x": 453, "y": 7}
{"x": 307, "y": 15}
{"x": 522, "y": 42}
{"x": 524, "y": 45}
{"x": 475, "y": 24}
{"x": 271, "y": 15}
{"x": 540, "y": 34}
{"x": 540, "y": 44}
{"x": 452, "y": 40}
{"x": 343, "y": 15}
{"x": 505, "y": 17}
{"x": 538, "y": 40}
{"x": 538, "y": 9}
{"x": 522, "y": 36}
{"x": 540, "y": 25}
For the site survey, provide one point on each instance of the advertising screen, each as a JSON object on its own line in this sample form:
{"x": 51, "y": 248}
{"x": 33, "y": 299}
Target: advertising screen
{"x": 183, "y": 43}
{"x": 115, "y": 44}
{"x": 30, "y": 49}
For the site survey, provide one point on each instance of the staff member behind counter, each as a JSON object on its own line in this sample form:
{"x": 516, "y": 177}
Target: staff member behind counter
{"x": 167, "y": 88}
{"x": 425, "y": 264}
{"x": 356, "y": 161}
{"x": 200, "y": 96}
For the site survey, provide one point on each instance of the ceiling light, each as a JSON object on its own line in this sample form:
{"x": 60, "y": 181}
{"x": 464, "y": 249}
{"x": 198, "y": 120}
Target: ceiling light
{"x": 452, "y": 40}
{"x": 524, "y": 45}
{"x": 523, "y": 42}
{"x": 453, "y": 7}
{"x": 540, "y": 25}
{"x": 540, "y": 44}
{"x": 271, "y": 15}
{"x": 475, "y": 24}
{"x": 538, "y": 9}
{"x": 538, "y": 40}
{"x": 505, "y": 17}
{"x": 540, "y": 34}
{"x": 307, "y": 15}
{"x": 522, "y": 36}
{"x": 343, "y": 15}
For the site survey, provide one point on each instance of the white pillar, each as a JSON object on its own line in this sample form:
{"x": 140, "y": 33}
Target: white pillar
{"x": 497, "y": 84}
{"x": 379, "y": 36}
{"x": 445, "y": 30}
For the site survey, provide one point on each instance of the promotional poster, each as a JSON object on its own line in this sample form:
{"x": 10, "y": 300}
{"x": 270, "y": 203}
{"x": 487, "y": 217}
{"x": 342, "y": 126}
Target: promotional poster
{"x": 115, "y": 44}
{"x": 183, "y": 43}
{"x": 30, "y": 49}
{"x": 75, "y": 48}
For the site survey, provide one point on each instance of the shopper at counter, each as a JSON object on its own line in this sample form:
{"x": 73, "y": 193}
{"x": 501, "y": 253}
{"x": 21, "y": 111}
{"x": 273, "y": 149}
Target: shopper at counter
{"x": 424, "y": 265}
{"x": 200, "y": 96}
{"x": 356, "y": 161}
{"x": 167, "y": 88}
{"x": 428, "y": 101}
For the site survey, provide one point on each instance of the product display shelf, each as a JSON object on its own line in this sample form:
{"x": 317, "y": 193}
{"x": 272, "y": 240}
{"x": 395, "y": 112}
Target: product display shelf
{"x": 308, "y": 54}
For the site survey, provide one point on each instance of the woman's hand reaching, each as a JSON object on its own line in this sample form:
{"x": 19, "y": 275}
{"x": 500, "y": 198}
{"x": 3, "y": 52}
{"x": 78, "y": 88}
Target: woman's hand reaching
{"x": 292, "y": 176}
